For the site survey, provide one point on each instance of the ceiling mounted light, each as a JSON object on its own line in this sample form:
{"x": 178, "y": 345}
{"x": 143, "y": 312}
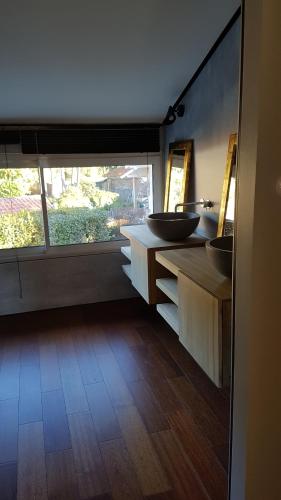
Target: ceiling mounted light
{"x": 173, "y": 113}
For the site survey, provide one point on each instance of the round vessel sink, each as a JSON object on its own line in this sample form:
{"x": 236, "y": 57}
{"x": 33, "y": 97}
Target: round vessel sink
{"x": 219, "y": 251}
{"x": 173, "y": 226}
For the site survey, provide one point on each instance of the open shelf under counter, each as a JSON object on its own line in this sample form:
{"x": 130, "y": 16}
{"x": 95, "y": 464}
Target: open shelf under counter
{"x": 126, "y": 251}
{"x": 170, "y": 314}
{"x": 169, "y": 286}
{"x": 127, "y": 268}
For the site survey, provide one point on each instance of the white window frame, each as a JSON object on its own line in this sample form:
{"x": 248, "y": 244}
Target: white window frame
{"x": 48, "y": 251}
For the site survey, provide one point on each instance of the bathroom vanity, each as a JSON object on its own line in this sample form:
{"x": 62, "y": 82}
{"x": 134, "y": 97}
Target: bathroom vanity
{"x": 199, "y": 310}
{"x": 143, "y": 269}
{"x": 189, "y": 293}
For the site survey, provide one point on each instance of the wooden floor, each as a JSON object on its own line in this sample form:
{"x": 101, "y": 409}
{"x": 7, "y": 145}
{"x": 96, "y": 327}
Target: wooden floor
{"x": 102, "y": 402}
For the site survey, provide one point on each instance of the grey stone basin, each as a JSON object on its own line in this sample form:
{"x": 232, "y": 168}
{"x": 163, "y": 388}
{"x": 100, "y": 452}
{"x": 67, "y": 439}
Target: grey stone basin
{"x": 219, "y": 251}
{"x": 173, "y": 226}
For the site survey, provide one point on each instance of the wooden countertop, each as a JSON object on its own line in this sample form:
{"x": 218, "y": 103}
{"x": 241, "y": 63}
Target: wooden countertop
{"x": 194, "y": 263}
{"x": 145, "y": 237}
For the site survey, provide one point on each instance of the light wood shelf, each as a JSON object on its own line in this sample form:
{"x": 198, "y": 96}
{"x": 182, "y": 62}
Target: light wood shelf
{"x": 127, "y": 268}
{"x": 195, "y": 264}
{"x": 142, "y": 234}
{"x": 170, "y": 314}
{"x": 169, "y": 286}
{"x": 126, "y": 251}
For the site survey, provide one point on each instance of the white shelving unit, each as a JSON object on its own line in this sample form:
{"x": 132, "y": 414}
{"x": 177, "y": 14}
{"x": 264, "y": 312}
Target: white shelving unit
{"x": 126, "y": 251}
{"x": 127, "y": 270}
{"x": 169, "y": 286}
{"x": 170, "y": 314}
{"x": 169, "y": 311}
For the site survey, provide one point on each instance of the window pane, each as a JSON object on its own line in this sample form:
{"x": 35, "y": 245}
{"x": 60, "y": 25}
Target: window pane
{"x": 21, "y": 223}
{"x": 87, "y": 204}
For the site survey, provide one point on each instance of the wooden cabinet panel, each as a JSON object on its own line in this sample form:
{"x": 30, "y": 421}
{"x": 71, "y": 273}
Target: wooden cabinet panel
{"x": 200, "y": 326}
{"x": 139, "y": 269}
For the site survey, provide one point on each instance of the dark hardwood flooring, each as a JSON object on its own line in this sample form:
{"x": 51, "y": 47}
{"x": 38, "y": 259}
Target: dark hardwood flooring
{"x": 102, "y": 402}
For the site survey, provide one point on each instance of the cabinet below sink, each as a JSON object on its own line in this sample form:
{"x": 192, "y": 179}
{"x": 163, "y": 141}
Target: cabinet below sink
{"x": 145, "y": 270}
{"x": 201, "y": 316}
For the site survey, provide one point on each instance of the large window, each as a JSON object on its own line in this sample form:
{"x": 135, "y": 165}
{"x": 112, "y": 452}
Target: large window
{"x": 71, "y": 201}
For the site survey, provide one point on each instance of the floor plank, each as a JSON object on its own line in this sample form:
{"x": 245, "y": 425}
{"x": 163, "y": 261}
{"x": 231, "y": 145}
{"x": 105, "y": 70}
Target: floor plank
{"x": 104, "y": 417}
{"x": 132, "y": 336}
{"x": 186, "y": 484}
{"x": 120, "y": 470}
{"x": 30, "y": 404}
{"x": 49, "y": 366}
{"x": 115, "y": 383}
{"x": 10, "y": 370}
{"x": 147, "y": 334}
{"x": 150, "y": 411}
{"x": 87, "y": 361}
{"x": 74, "y": 392}
{"x": 92, "y": 479}
{"x": 168, "y": 495}
{"x": 127, "y": 364}
{"x": 62, "y": 483}
{"x": 164, "y": 394}
{"x": 31, "y": 463}
{"x": 151, "y": 476}
{"x": 155, "y": 362}
{"x": 29, "y": 354}
{"x": 8, "y": 430}
{"x": 55, "y": 422}
{"x": 211, "y": 427}
{"x": 8, "y": 482}
{"x": 200, "y": 454}
{"x": 158, "y": 354}
{"x": 98, "y": 339}
{"x": 147, "y": 366}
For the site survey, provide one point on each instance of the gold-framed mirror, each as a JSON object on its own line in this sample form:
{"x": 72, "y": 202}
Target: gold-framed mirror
{"x": 177, "y": 176}
{"x": 227, "y": 208}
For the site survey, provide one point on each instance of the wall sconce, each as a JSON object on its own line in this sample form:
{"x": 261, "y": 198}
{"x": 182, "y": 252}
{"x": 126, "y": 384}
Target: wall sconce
{"x": 174, "y": 113}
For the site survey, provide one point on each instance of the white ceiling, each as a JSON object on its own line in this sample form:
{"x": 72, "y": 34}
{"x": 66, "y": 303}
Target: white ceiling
{"x": 102, "y": 61}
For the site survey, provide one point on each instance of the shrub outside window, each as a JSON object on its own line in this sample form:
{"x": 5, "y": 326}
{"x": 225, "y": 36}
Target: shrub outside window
{"x": 21, "y": 220}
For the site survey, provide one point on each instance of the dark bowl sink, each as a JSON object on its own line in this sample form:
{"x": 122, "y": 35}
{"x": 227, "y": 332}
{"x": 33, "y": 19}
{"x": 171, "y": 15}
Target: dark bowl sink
{"x": 219, "y": 251}
{"x": 173, "y": 226}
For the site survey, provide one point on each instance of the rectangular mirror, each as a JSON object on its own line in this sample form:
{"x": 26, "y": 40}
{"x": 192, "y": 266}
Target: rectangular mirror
{"x": 177, "y": 177}
{"x": 227, "y": 209}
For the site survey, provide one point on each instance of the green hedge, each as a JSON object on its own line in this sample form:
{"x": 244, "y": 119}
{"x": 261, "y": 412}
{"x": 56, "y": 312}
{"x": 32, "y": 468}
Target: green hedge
{"x": 78, "y": 225}
{"x": 21, "y": 229}
{"x": 66, "y": 226}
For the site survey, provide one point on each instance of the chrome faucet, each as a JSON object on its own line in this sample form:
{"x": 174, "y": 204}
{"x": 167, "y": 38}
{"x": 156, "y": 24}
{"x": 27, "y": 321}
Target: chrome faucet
{"x": 202, "y": 202}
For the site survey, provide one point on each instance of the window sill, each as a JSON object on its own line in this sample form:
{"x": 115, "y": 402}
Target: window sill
{"x": 41, "y": 253}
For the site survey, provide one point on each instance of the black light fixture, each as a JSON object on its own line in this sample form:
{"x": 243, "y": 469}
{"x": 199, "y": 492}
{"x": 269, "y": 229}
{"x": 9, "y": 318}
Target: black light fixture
{"x": 173, "y": 113}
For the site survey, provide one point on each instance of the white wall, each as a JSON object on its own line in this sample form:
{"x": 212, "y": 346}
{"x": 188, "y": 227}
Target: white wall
{"x": 256, "y": 449}
{"x": 63, "y": 281}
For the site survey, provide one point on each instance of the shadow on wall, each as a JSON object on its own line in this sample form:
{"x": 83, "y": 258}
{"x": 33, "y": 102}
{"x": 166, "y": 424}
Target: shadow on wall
{"x": 211, "y": 116}
{"x": 209, "y": 224}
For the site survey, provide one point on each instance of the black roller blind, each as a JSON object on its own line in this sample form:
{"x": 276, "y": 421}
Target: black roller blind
{"x": 131, "y": 139}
